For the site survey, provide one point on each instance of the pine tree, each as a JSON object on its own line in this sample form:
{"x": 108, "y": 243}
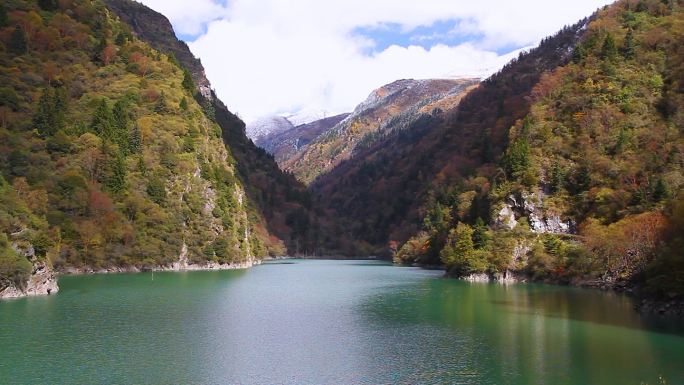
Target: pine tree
{"x": 661, "y": 190}
{"x": 556, "y": 177}
{"x": 120, "y": 39}
{"x": 141, "y": 166}
{"x": 630, "y": 46}
{"x": 608, "y": 49}
{"x": 50, "y": 116}
{"x": 172, "y": 59}
{"x": 17, "y": 43}
{"x": 115, "y": 179}
{"x": 43, "y": 121}
{"x": 134, "y": 140}
{"x": 120, "y": 119}
{"x": 102, "y": 123}
{"x": 209, "y": 110}
{"x": 579, "y": 54}
{"x": 480, "y": 236}
{"x": 101, "y": 45}
{"x": 188, "y": 83}
{"x": 160, "y": 107}
{"x": 3, "y": 16}
{"x": 517, "y": 158}
{"x": 183, "y": 104}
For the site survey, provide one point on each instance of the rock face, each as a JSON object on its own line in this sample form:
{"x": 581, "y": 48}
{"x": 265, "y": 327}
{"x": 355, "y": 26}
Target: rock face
{"x": 507, "y": 277}
{"x": 542, "y": 221}
{"x": 41, "y": 282}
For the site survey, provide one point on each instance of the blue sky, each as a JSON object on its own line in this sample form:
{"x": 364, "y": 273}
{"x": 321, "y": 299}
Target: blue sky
{"x": 271, "y": 56}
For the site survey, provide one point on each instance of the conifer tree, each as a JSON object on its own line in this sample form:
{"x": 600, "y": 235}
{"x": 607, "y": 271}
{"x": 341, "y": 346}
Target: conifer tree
{"x": 17, "y": 43}
{"x": 141, "y": 167}
{"x": 121, "y": 132}
{"x": 50, "y": 115}
{"x": 579, "y": 54}
{"x": 517, "y": 158}
{"x": 43, "y": 121}
{"x": 115, "y": 179}
{"x": 188, "y": 83}
{"x": 160, "y": 107}
{"x": 480, "y": 236}
{"x": 101, "y": 45}
{"x": 172, "y": 59}
{"x": 183, "y": 104}
{"x": 3, "y": 16}
{"x": 134, "y": 140}
{"x": 608, "y": 49}
{"x": 120, "y": 39}
{"x": 102, "y": 123}
{"x": 630, "y": 46}
{"x": 661, "y": 190}
{"x": 556, "y": 177}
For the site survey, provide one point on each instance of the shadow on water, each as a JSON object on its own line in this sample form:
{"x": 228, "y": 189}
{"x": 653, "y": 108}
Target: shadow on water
{"x": 590, "y": 305}
{"x": 453, "y": 302}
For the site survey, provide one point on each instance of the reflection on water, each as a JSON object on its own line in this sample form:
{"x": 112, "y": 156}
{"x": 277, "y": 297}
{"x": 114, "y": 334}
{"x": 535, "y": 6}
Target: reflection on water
{"x": 338, "y": 322}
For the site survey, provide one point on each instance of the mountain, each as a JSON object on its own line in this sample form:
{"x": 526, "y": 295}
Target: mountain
{"x": 286, "y": 144}
{"x": 386, "y": 109}
{"x": 108, "y": 162}
{"x": 283, "y": 204}
{"x": 380, "y": 192}
{"x": 564, "y": 167}
{"x": 270, "y": 125}
{"x": 306, "y": 116}
{"x": 155, "y": 29}
{"x": 115, "y": 156}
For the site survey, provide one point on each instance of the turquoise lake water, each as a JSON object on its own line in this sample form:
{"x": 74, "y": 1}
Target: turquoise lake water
{"x": 331, "y": 322}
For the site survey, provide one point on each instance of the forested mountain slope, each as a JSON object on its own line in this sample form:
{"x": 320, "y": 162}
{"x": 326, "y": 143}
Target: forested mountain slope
{"x": 587, "y": 190}
{"x": 379, "y": 191}
{"x": 107, "y": 160}
{"x": 110, "y": 158}
{"x": 287, "y": 208}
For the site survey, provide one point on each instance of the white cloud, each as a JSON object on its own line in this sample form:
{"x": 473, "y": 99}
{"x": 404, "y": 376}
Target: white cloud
{"x": 188, "y": 17}
{"x": 270, "y": 56}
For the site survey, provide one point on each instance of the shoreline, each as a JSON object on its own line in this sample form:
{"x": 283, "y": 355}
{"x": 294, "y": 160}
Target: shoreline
{"x": 175, "y": 267}
{"x": 43, "y": 280}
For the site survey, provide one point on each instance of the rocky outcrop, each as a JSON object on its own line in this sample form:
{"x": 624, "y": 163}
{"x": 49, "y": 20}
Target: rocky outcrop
{"x": 531, "y": 206}
{"x": 507, "y": 276}
{"x": 41, "y": 282}
{"x": 668, "y": 304}
{"x": 177, "y": 266}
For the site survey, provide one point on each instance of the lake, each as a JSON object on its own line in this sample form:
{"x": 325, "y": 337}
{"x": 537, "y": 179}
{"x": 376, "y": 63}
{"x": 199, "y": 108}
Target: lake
{"x": 331, "y": 322}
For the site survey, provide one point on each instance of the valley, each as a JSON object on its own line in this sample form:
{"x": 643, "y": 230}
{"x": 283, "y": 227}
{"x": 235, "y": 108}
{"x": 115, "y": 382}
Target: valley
{"x": 561, "y": 167}
{"x": 516, "y": 218}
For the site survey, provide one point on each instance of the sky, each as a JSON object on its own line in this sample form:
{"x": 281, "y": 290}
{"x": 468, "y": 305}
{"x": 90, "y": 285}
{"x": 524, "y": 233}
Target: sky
{"x": 268, "y": 57}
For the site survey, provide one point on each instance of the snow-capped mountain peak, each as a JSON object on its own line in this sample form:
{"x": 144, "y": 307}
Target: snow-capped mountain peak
{"x": 266, "y": 126}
